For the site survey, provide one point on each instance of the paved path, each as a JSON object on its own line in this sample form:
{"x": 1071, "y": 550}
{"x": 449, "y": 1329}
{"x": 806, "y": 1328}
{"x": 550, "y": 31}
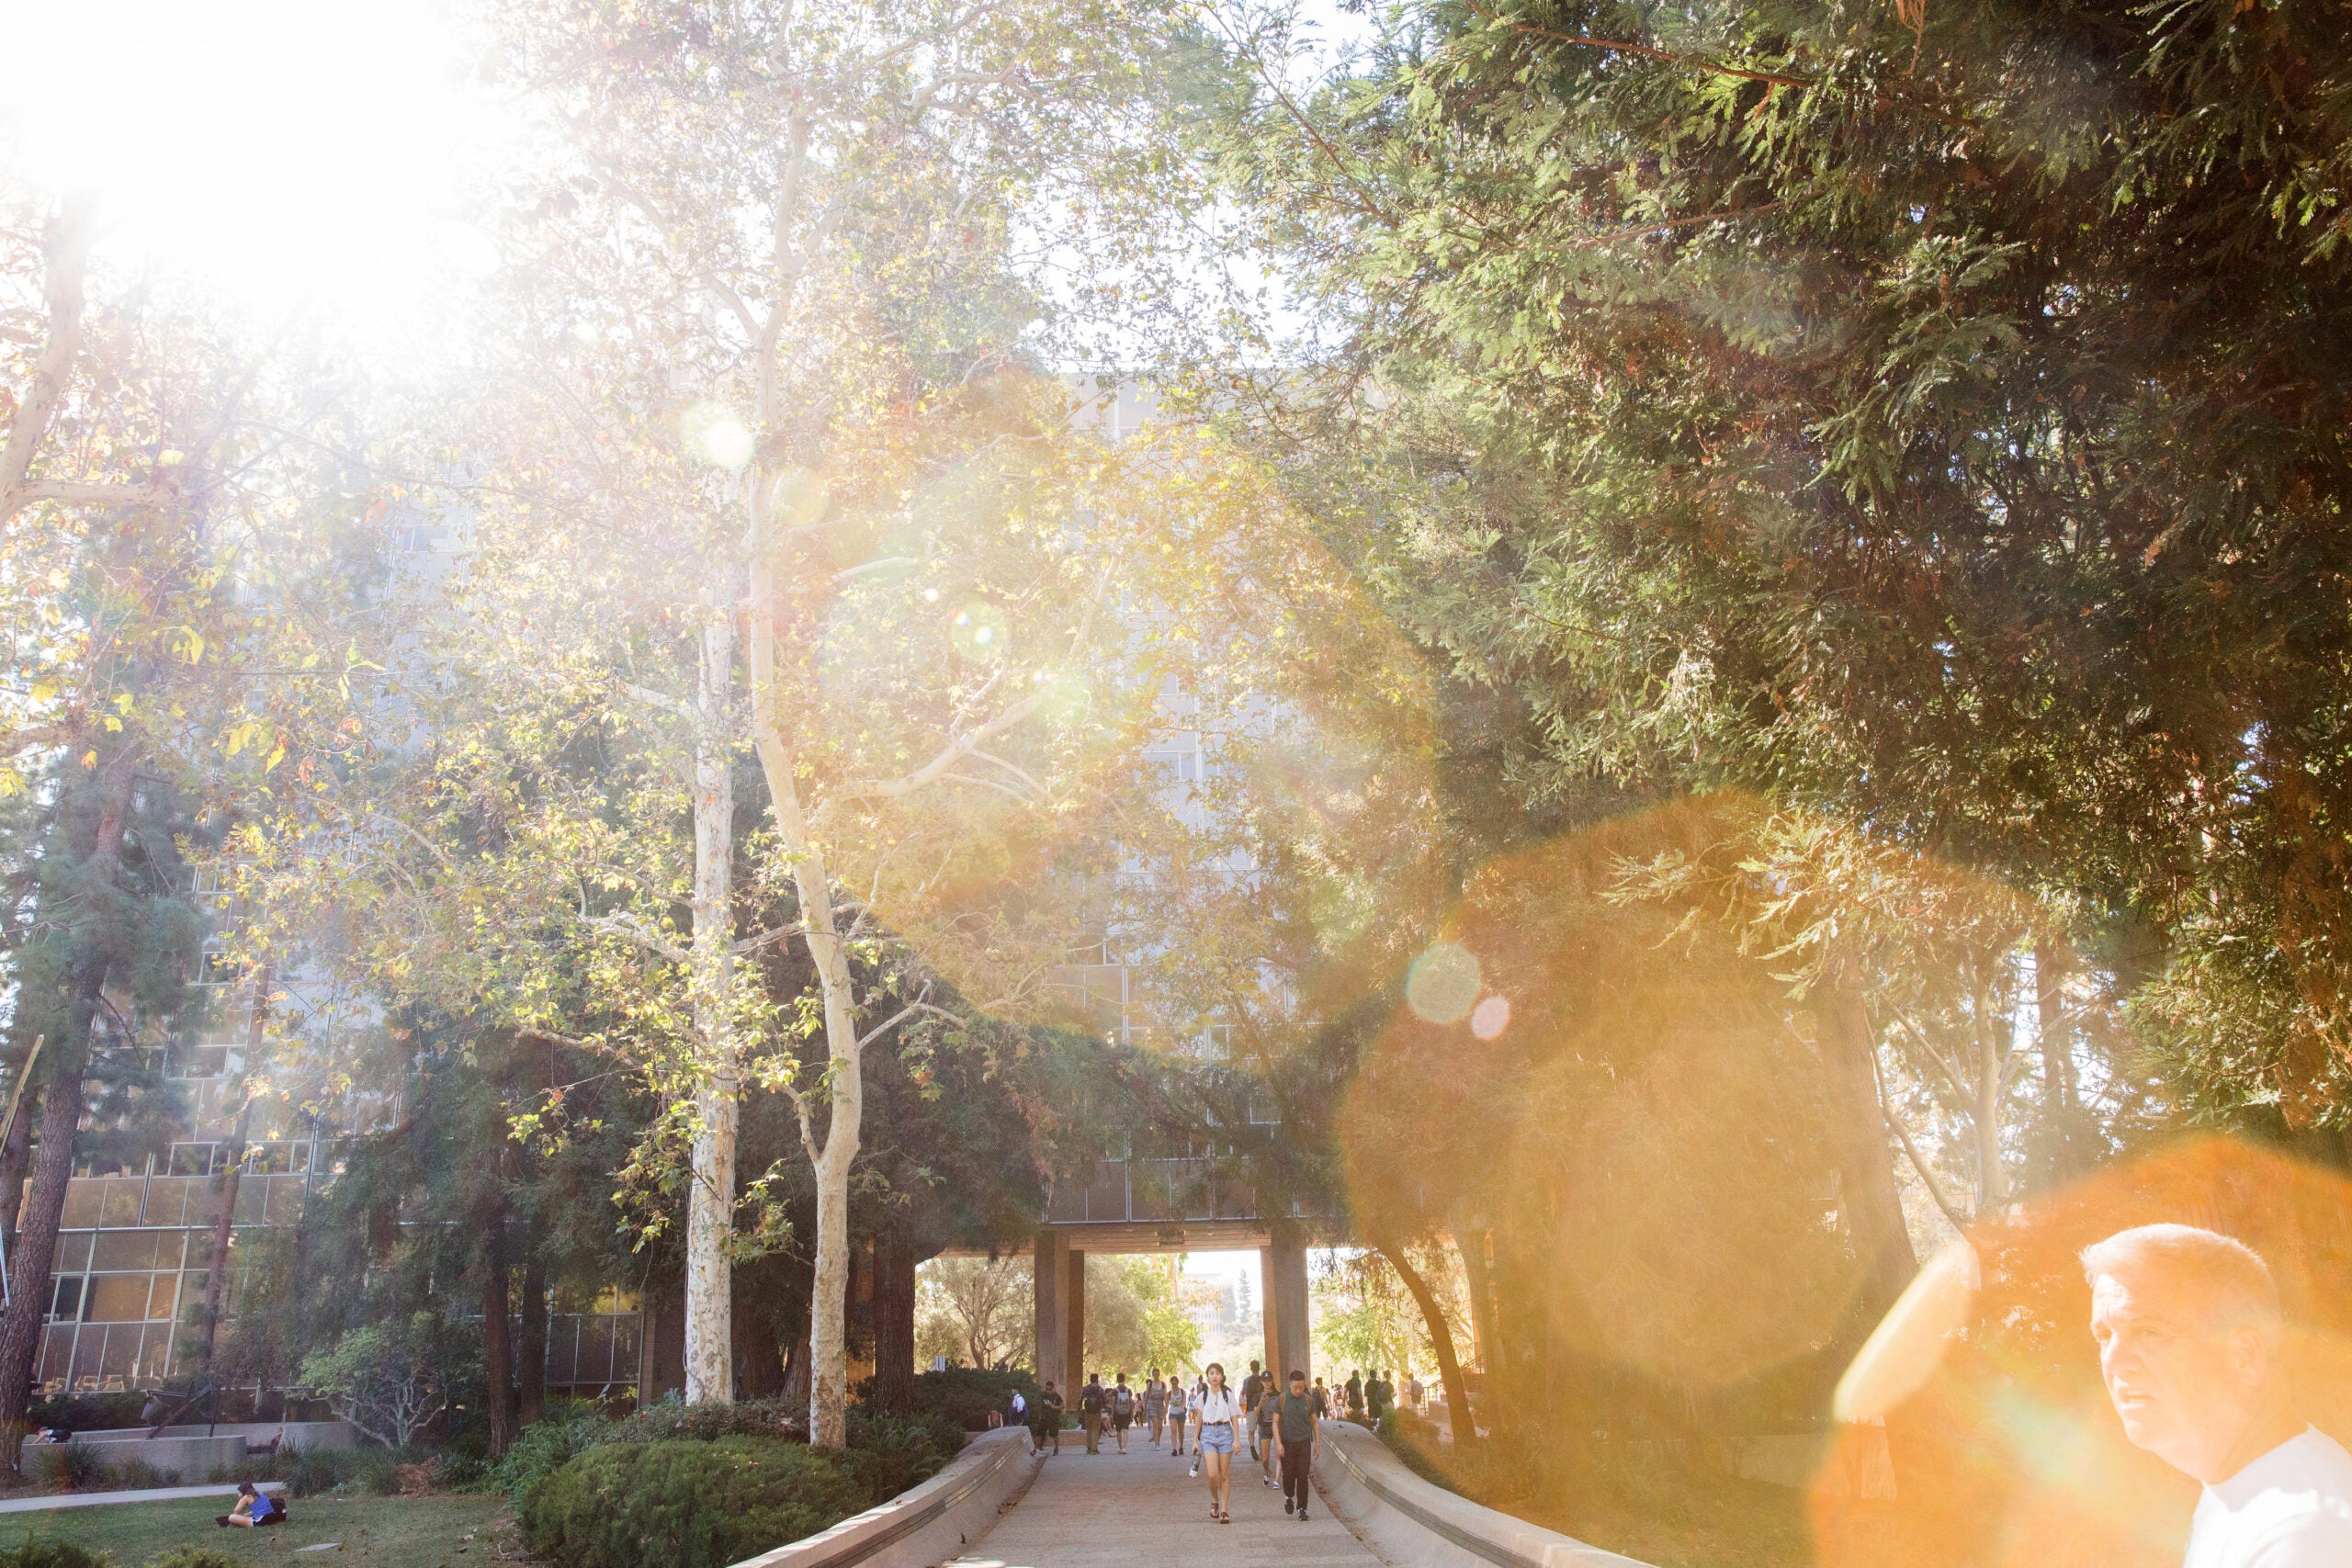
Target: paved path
{"x": 1109, "y": 1510}
{"x": 151, "y": 1494}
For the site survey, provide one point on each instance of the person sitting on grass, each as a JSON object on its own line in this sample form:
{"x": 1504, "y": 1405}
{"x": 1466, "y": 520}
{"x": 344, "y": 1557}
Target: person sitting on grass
{"x": 254, "y": 1508}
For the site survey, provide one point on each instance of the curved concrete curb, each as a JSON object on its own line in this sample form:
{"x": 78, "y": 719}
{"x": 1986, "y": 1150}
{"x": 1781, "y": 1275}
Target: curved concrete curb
{"x": 925, "y": 1524}
{"x": 1408, "y": 1520}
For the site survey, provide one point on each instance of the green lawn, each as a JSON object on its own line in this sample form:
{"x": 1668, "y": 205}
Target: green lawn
{"x": 382, "y": 1532}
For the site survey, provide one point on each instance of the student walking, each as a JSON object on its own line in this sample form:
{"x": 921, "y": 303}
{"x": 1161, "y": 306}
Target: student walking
{"x": 1123, "y": 1410}
{"x": 1252, "y": 1390}
{"x": 1090, "y": 1412}
{"x": 1046, "y": 1422}
{"x": 1176, "y": 1417}
{"x": 1355, "y": 1394}
{"x": 1154, "y": 1405}
{"x": 1261, "y": 1421}
{"x": 1302, "y": 1441}
{"x": 1216, "y": 1411}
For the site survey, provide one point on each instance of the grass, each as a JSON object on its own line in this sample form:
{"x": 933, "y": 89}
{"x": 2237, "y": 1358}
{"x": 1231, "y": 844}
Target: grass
{"x": 380, "y": 1532}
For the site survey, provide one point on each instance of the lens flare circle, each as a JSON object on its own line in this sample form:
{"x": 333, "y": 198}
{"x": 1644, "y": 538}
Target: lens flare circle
{"x": 1442, "y": 984}
{"x": 979, "y": 632}
{"x": 1490, "y": 1018}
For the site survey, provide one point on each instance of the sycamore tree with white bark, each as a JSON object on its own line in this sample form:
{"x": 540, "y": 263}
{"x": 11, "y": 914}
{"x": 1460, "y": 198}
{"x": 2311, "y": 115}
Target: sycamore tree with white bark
{"x": 785, "y": 683}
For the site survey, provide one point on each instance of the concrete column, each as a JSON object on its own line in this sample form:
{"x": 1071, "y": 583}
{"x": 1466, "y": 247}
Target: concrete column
{"x": 1283, "y": 1266}
{"x": 1050, "y": 1260}
{"x": 1074, "y": 1340}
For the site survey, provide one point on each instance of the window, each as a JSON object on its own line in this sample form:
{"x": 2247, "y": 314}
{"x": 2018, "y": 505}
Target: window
{"x": 66, "y": 1306}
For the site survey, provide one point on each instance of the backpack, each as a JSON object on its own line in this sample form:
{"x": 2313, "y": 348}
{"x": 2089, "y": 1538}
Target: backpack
{"x": 1123, "y": 1401}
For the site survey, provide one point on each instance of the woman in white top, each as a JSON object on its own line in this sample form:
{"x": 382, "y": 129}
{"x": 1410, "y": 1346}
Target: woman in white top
{"x": 1217, "y": 1431}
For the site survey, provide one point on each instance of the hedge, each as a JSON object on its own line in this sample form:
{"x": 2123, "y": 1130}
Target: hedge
{"x": 688, "y": 1503}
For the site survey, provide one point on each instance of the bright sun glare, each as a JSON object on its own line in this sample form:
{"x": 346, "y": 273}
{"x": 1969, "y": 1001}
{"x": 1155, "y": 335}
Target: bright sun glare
{"x": 298, "y": 156}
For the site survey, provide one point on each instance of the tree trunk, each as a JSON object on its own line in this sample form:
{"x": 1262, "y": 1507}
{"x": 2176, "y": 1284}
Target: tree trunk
{"x": 52, "y": 1168}
{"x": 1872, "y": 1207}
{"x": 1992, "y": 1184}
{"x": 710, "y": 1203}
{"x": 893, "y": 1315}
{"x": 217, "y": 1274}
{"x": 497, "y": 1347}
{"x": 1449, "y": 1370}
{"x": 60, "y": 1113}
{"x": 531, "y": 1352}
{"x": 1472, "y": 1244}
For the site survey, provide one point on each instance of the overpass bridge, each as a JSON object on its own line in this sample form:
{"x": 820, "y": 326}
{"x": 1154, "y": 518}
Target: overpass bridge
{"x": 1155, "y": 1206}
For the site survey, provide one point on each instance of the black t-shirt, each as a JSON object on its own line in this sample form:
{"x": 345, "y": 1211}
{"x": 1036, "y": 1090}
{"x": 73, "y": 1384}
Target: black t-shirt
{"x": 1049, "y": 1406}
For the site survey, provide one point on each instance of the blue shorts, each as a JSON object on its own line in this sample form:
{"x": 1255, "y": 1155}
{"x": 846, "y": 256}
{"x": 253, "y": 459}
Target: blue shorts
{"x": 1217, "y": 1438}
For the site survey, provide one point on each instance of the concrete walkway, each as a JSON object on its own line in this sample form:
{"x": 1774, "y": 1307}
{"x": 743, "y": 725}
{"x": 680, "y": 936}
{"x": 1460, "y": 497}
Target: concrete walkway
{"x": 1110, "y": 1510}
{"x": 151, "y": 1494}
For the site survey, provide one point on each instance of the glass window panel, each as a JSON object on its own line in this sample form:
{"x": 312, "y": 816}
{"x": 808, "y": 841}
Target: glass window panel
{"x": 167, "y": 1200}
{"x": 191, "y": 1159}
{"x": 563, "y": 1348}
{"x": 119, "y": 1204}
{"x": 115, "y": 1298}
{"x": 595, "y": 1350}
{"x": 89, "y": 1345}
{"x": 118, "y": 1250}
{"x": 56, "y": 1354}
{"x": 120, "y": 1357}
{"x": 154, "y": 1362}
{"x": 72, "y": 1252}
{"x": 65, "y": 1298}
{"x": 253, "y": 1199}
{"x": 625, "y": 1331}
{"x": 162, "y": 1297}
{"x": 81, "y": 1197}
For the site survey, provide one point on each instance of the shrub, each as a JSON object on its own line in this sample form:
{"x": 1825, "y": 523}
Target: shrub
{"x": 567, "y": 1430}
{"x": 194, "y": 1557}
{"x": 135, "y": 1475}
{"x": 310, "y": 1472}
{"x": 672, "y": 1420}
{"x": 43, "y": 1551}
{"x": 687, "y": 1504}
{"x": 892, "y": 1455}
{"x": 67, "y": 1467}
{"x": 966, "y": 1395}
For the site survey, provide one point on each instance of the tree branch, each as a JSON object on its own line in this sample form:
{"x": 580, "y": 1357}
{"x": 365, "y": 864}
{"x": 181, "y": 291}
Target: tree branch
{"x": 1935, "y": 1189}
{"x": 66, "y": 250}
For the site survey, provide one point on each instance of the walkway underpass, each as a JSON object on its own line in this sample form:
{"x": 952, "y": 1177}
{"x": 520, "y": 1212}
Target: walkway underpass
{"x": 1112, "y": 1510}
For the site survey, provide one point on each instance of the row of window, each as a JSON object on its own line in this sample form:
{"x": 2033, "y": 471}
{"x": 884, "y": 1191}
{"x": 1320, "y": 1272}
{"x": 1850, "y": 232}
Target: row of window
{"x": 589, "y": 1354}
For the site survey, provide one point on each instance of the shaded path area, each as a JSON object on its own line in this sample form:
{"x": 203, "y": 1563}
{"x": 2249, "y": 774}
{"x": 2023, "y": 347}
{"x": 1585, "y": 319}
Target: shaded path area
{"x": 1108, "y": 1510}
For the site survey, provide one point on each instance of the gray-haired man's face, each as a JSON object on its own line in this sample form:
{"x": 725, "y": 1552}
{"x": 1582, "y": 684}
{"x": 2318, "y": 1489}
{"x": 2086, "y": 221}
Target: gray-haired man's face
{"x": 2185, "y": 1386}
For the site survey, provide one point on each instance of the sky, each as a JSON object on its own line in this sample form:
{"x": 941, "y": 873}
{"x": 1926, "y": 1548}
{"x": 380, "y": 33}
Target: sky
{"x": 302, "y": 160}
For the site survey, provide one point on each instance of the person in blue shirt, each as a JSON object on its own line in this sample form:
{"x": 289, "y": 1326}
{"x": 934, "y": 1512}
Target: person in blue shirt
{"x": 254, "y": 1508}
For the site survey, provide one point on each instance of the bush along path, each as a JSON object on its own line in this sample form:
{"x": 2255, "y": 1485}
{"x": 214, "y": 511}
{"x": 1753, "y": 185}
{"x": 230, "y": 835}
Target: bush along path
{"x": 703, "y": 1486}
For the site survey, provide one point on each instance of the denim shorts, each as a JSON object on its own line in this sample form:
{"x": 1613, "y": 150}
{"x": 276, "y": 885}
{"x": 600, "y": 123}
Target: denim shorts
{"x": 1217, "y": 1438}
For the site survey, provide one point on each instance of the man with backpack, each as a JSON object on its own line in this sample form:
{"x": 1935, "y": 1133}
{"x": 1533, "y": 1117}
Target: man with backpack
{"x": 1302, "y": 1442}
{"x": 1123, "y": 1411}
{"x": 1090, "y": 1412}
